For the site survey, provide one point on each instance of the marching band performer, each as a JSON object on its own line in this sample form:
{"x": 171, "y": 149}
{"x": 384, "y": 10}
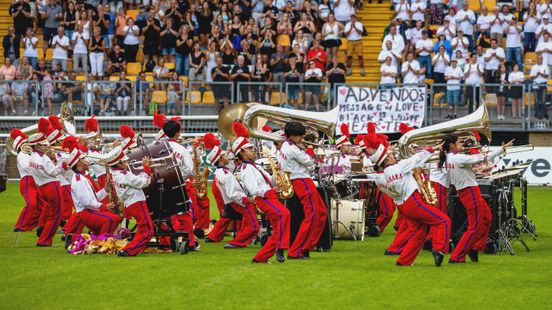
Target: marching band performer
{"x": 93, "y": 210}
{"x": 128, "y": 135}
{"x": 399, "y": 183}
{"x": 230, "y": 198}
{"x": 299, "y": 163}
{"x": 462, "y": 176}
{"x": 96, "y": 167}
{"x": 200, "y": 203}
{"x": 28, "y": 218}
{"x": 129, "y": 188}
{"x": 257, "y": 182}
{"x": 344, "y": 146}
{"x": 45, "y": 170}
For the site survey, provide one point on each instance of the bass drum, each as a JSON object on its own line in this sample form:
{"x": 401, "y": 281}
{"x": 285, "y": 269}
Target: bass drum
{"x": 166, "y": 194}
{"x": 348, "y": 219}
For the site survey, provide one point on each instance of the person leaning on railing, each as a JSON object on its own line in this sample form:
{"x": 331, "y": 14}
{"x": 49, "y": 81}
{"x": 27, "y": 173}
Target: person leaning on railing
{"x": 540, "y": 74}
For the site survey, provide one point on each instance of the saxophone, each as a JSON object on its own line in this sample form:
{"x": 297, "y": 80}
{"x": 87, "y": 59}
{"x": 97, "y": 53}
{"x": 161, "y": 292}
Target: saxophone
{"x": 283, "y": 182}
{"x": 424, "y": 184}
{"x": 201, "y": 177}
{"x": 111, "y": 194}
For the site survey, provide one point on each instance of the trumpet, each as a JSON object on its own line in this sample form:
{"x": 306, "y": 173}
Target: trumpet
{"x": 155, "y": 162}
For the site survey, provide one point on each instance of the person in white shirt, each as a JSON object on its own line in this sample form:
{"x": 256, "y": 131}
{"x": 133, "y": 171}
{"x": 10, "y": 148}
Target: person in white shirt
{"x": 451, "y": 16}
{"x": 483, "y": 23}
{"x": 396, "y": 39}
{"x": 513, "y": 42}
{"x": 497, "y": 26}
{"x": 448, "y": 30}
{"x": 516, "y": 78}
{"x": 343, "y": 10}
{"x": 454, "y": 76}
{"x": 30, "y": 45}
{"x": 544, "y": 49}
{"x": 544, "y": 27}
{"x": 480, "y": 56}
{"x": 460, "y": 169}
{"x": 494, "y": 56}
{"x": 80, "y": 50}
{"x": 60, "y": 43}
{"x": 531, "y": 20}
{"x": 388, "y": 51}
{"x": 388, "y": 72}
{"x": 539, "y": 74}
{"x": 423, "y": 49}
{"x": 402, "y": 10}
{"x": 409, "y": 70}
{"x": 544, "y": 8}
{"x": 354, "y": 30}
{"x": 465, "y": 19}
{"x": 299, "y": 163}
{"x": 460, "y": 43}
{"x": 440, "y": 64}
{"x": 474, "y": 73}
{"x": 418, "y": 10}
{"x": 413, "y": 35}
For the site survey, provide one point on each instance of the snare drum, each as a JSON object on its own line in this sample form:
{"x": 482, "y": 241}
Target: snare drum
{"x": 348, "y": 219}
{"x": 345, "y": 188}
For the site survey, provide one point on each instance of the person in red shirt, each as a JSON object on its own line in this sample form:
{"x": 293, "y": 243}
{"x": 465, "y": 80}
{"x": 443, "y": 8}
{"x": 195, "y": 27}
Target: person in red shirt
{"x": 317, "y": 54}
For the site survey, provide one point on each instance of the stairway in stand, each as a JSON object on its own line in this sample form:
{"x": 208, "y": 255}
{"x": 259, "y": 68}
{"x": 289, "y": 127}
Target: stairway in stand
{"x": 5, "y": 21}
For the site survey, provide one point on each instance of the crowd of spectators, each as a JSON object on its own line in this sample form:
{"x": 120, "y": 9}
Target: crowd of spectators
{"x": 453, "y": 45}
{"x": 203, "y": 40}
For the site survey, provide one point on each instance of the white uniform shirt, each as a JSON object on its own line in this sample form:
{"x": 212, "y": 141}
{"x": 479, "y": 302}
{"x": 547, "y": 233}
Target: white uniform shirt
{"x": 440, "y": 176}
{"x": 83, "y": 194}
{"x": 366, "y": 162}
{"x": 471, "y": 72}
{"x": 96, "y": 168}
{"x": 427, "y": 43}
{"x": 398, "y": 43}
{"x": 43, "y": 169}
{"x": 295, "y": 161}
{"x": 184, "y": 158}
{"x": 546, "y": 56}
{"x": 536, "y": 69}
{"x": 66, "y": 175}
{"x": 459, "y": 168}
{"x": 397, "y": 180}
{"x": 493, "y": 63}
{"x": 129, "y": 187}
{"x": 354, "y": 35}
{"x": 410, "y": 77}
{"x": 388, "y": 69}
{"x": 230, "y": 189}
{"x": 459, "y": 46}
{"x": 440, "y": 66}
{"x": 254, "y": 179}
{"x": 60, "y": 53}
{"x": 341, "y": 164}
{"x": 465, "y": 25}
{"x": 23, "y": 161}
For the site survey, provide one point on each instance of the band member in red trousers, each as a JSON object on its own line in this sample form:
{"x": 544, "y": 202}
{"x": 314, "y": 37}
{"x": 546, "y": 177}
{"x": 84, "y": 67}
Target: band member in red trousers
{"x": 258, "y": 184}
{"x": 45, "y": 171}
{"x": 299, "y": 164}
{"x": 129, "y": 189}
{"x": 459, "y": 167}
{"x": 233, "y": 200}
{"x": 399, "y": 183}
{"x": 96, "y": 167}
{"x": 28, "y": 217}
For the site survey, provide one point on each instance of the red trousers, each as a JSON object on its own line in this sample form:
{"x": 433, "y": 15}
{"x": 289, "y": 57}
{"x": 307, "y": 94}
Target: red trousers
{"x": 200, "y": 207}
{"x": 417, "y": 215}
{"x": 479, "y": 223}
{"x": 387, "y": 208}
{"x": 249, "y": 225}
{"x": 51, "y": 211}
{"x": 278, "y": 216}
{"x": 442, "y": 197}
{"x": 144, "y": 231}
{"x": 74, "y": 224}
{"x": 183, "y": 222}
{"x": 401, "y": 237}
{"x": 67, "y": 206}
{"x": 28, "y": 218}
{"x": 100, "y": 222}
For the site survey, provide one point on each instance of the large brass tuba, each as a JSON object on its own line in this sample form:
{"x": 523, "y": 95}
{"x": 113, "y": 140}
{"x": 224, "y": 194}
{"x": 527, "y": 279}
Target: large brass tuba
{"x": 66, "y": 118}
{"x": 254, "y": 116}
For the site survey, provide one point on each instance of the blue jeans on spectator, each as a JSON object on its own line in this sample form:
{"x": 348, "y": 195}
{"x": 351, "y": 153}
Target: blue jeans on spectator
{"x": 182, "y": 65}
{"x": 69, "y": 33}
{"x": 513, "y": 54}
{"x": 470, "y": 39}
{"x": 530, "y": 41}
{"x": 33, "y": 61}
{"x": 425, "y": 61}
{"x": 105, "y": 38}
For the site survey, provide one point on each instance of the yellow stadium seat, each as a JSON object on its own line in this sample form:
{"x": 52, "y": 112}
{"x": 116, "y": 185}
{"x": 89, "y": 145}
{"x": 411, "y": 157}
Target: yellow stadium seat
{"x": 133, "y": 68}
{"x": 275, "y": 98}
{"x": 114, "y": 78}
{"x": 549, "y": 84}
{"x": 132, "y": 13}
{"x": 343, "y": 46}
{"x": 131, "y": 77}
{"x": 195, "y": 96}
{"x": 531, "y": 58}
{"x": 208, "y": 97}
{"x": 490, "y": 4}
{"x": 475, "y": 5}
{"x": 150, "y": 78}
{"x": 169, "y": 65}
{"x": 436, "y": 99}
{"x": 159, "y": 97}
{"x": 341, "y": 56}
{"x": 185, "y": 80}
{"x": 49, "y": 54}
{"x": 81, "y": 78}
{"x": 40, "y": 53}
{"x": 140, "y": 56}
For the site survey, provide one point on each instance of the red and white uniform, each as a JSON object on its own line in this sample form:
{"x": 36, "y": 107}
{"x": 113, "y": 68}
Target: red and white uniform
{"x": 28, "y": 218}
{"x": 65, "y": 178}
{"x": 398, "y": 182}
{"x": 45, "y": 173}
{"x": 441, "y": 183}
{"x": 229, "y": 193}
{"x": 299, "y": 164}
{"x": 96, "y": 167}
{"x": 200, "y": 205}
{"x": 129, "y": 190}
{"x": 257, "y": 183}
{"x": 459, "y": 167}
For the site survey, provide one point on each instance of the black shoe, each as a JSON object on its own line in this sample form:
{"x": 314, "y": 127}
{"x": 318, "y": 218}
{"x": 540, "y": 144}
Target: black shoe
{"x": 455, "y": 116}
{"x": 17, "y": 230}
{"x": 62, "y": 223}
{"x": 39, "y": 231}
{"x": 455, "y": 262}
{"x": 123, "y": 254}
{"x": 428, "y": 246}
{"x": 231, "y": 246}
{"x": 63, "y": 237}
{"x": 438, "y": 257}
{"x": 199, "y": 233}
{"x": 207, "y": 240}
{"x": 68, "y": 240}
{"x": 306, "y": 254}
{"x": 374, "y": 231}
{"x": 474, "y": 256}
{"x": 449, "y": 116}
{"x": 389, "y": 253}
{"x": 280, "y": 256}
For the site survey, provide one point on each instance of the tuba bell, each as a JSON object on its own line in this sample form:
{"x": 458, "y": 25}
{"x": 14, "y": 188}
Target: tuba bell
{"x": 66, "y": 117}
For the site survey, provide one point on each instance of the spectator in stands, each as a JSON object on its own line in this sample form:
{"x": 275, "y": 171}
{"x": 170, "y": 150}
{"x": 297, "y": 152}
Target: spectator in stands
{"x": 221, "y": 87}
{"x": 506, "y": 14}
{"x": 278, "y": 64}
{"x": 465, "y": 19}
{"x": 480, "y": 54}
{"x": 204, "y": 18}
{"x": 461, "y": 61}
{"x": 131, "y": 41}
{"x": 60, "y": 44}
{"x": 317, "y": 54}
{"x": 440, "y": 63}
{"x": 423, "y": 50}
{"x": 313, "y": 76}
{"x": 6, "y": 97}
{"x": 117, "y": 60}
{"x": 454, "y": 75}
{"x": 211, "y": 56}
{"x": 197, "y": 64}
{"x": 293, "y": 76}
{"x": 239, "y": 73}
{"x": 409, "y": 70}
{"x": 104, "y": 93}
{"x": 448, "y": 30}
{"x": 174, "y": 93}
{"x": 544, "y": 27}
{"x": 48, "y": 90}
{"x": 531, "y": 20}
{"x": 539, "y": 75}
{"x": 513, "y": 42}
{"x": 388, "y": 51}
{"x": 151, "y": 31}
{"x": 41, "y": 69}
{"x": 8, "y": 70}
{"x": 331, "y": 31}
{"x": 324, "y": 9}
{"x": 483, "y": 41}
{"x": 460, "y": 43}
{"x": 544, "y": 49}
{"x": 52, "y": 15}
{"x": 257, "y": 10}
{"x": 388, "y": 72}
{"x": 354, "y": 31}
{"x": 396, "y": 39}
{"x": 70, "y": 19}
{"x": 120, "y": 24}
{"x": 335, "y": 73}
{"x": 442, "y": 41}
{"x": 501, "y": 91}
{"x": 97, "y": 49}
{"x": 80, "y": 50}
{"x": 123, "y": 94}
{"x": 402, "y": 10}
{"x": 483, "y": 23}
{"x": 413, "y": 35}
{"x": 497, "y": 26}
{"x": 474, "y": 74}
{"x": 19, "y": 92}
{"x": 10, "y": 43}
{"x": 161, "y": 72}
{"x": 85, "y": 23}
{"x": 102, "y": 20}
{"x": 343, "y": 10}
{"x": 20, "y": 11}
{"x": 25, "y": 70}
{"x": 516, "y": 79}
{"x": 494, "y": 56}
{"x": 544, "y": 7}
{"x": 168, "y": 40}
{"x": 184, "y": 46}
{"x": 284, "y": 31}
{"x": 418, "y": 10}
{"x": 260, "y": 74}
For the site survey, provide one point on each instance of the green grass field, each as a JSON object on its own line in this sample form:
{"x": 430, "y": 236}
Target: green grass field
{"x": 352, "y": 275}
